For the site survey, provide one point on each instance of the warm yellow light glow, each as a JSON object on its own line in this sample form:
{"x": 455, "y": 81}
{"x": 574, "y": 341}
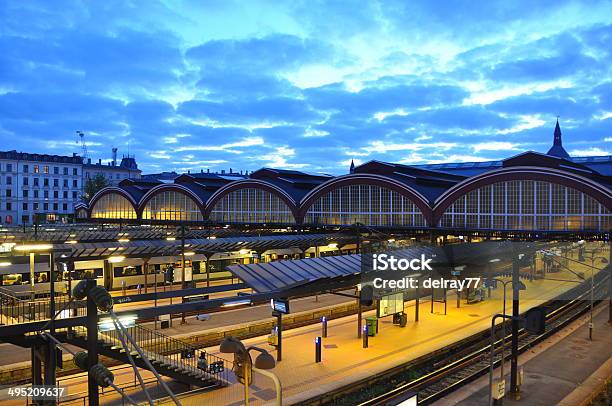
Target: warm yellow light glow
{"x": 5, "y": 264}
{"x": 391, "y": 240}
{"x": 116, "y": 258}
{"x": 107, "y": 324}
{"x": 212, "y": 237}
{"x": 244, "y": 251}
{"x": 332, "y": 245}
{"x": 33, "y": 247}
{"x": 123, "y": 240}
{"x": 170, "y": 238}
{"x": 71, "y": 242}
{"x": 189, "y": 253}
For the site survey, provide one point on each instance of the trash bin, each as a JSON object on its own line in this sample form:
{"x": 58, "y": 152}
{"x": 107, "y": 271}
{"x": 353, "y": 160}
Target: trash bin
{"x": 403, "y": 320}
{"x": 372, "y": 323}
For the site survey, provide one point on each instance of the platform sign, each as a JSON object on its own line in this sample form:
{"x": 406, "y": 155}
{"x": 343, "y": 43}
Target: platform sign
{"x": 280, "y": 305}
{"x": 390, "y": 304}
{"x": 499, "y": 389}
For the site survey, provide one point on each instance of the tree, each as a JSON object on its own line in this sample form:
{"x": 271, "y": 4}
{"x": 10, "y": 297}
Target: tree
{"x": 93, "y": 185}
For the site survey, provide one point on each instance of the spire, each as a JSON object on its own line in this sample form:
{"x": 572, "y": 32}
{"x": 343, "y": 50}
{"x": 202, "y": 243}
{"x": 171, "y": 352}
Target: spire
{"x": 557, "y": 147}
{"x": 557, "y": 139}
{"x": 352, "y": 169}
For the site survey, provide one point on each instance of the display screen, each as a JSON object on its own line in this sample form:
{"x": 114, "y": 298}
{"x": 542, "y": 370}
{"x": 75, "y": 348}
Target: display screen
{"x": 280, "y": 305}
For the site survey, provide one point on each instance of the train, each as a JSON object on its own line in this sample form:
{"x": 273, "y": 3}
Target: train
{"x": 119, "y": 273}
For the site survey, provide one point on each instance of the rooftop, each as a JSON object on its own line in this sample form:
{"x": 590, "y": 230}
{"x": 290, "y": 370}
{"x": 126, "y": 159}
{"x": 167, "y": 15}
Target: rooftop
{"x": 25, "y": 156}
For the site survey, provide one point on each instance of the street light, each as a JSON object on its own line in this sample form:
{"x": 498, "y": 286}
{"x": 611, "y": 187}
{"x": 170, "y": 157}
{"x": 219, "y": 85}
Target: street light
{"x": 521, "y": 286}
{"x": 243, "y": 365}
{"x": 605, "y": 261}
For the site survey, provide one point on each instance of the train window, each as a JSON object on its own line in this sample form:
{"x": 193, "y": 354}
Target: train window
{"x": 41, "y": 277}
{"x": 195, "y": 268}
{"x": 12, "y": 279}
{"x": 91, "y": 273}
{"x": 130, "y": 270}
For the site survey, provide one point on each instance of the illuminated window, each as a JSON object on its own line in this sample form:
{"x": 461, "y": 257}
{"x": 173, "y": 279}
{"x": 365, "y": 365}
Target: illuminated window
{"x": 367, "y": 204}
{"x": 526, "y": 205}
{"x": 113, "y": 206}
{"x": 171, "y": 205}
{"x": 251, "y": 205}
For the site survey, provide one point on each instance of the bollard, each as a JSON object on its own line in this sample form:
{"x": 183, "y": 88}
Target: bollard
{"x": 324, "y": 326}
{"x": 318, "y": 349}
{"x": 365, "y": 336}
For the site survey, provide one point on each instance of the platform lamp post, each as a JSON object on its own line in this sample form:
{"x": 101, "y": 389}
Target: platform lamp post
{"x": 605, "y": 261}
{"x": 517, "y": 261}
{"x": 503, "y": 315}
{"x": 182, "y": 229}
{"x": 610, "y": 278}
{"x": 243, "y": 365}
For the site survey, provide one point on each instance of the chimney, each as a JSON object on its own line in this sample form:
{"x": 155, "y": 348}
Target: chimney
{"x": 230, "y": 170}
{"x": 100, "y": 161}
{"x": 188, "y": 170}
{"x": 89, "y": 160}
{"x": 208, "y": 170}
{"x": 114, "y": 156}
{"x": 222, "y": 171}
{"x": 201, "y": 170}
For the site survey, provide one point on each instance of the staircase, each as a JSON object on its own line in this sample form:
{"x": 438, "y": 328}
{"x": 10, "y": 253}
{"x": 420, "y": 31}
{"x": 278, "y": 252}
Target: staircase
{"x": 170, "y": 357}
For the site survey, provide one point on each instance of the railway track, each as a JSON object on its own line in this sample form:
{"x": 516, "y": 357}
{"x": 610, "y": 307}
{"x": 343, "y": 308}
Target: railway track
{"x": 440, "y": 373}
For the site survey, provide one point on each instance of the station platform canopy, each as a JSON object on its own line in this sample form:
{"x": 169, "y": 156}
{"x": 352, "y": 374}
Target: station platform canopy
{"x": 283, "y": 275}
{"x": 144, "y": 248}
{"x": 343, "y": 271}
{"x": 101, "y": 232}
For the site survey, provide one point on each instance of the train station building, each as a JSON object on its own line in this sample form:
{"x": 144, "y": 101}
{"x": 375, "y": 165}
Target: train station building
{"x": 528, "y": 192}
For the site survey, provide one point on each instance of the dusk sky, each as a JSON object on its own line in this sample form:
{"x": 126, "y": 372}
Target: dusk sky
{"x": 190, "y": 85}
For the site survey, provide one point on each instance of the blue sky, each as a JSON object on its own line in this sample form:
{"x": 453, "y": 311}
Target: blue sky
{"x": 190, "y": 85}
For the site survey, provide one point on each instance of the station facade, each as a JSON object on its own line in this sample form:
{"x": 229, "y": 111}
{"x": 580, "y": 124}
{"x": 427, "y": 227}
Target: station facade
{"x": 527, "y": 192}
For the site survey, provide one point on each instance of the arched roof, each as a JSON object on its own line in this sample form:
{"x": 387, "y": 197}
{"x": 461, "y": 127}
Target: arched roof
{"x": 588, "y": 186}
{"x": 363, "y": 178}
{"x": 254, "y": 184}
{"x": 110, "y": 190}
{"x": 171, "y": 187}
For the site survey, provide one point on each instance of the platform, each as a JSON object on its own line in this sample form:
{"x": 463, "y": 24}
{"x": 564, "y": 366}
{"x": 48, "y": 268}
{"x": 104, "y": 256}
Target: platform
{"x": 344, "y": 359}
{"x": 554, "y": 371}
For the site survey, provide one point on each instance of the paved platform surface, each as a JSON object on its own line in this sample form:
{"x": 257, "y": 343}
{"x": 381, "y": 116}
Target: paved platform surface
{"x": 555, "y": 372}
{"x": 11, "y": 354}
{"x": 344, "y": 359}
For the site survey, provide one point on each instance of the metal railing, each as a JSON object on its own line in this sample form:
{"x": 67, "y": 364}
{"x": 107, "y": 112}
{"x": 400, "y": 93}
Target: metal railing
{"x": 171, "y": 352}
{"x": 16, "y": 311}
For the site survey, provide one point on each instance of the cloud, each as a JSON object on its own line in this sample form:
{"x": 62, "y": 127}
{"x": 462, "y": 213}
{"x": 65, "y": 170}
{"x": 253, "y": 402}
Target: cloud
{"x": 278, "y": 159}
{"x": 228, "y": 147}
{"x": 271, "y": 109}
{"x": 593, "y": 151}
{"x": 494, "y": 146}
{"x": 182, "y": 84}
